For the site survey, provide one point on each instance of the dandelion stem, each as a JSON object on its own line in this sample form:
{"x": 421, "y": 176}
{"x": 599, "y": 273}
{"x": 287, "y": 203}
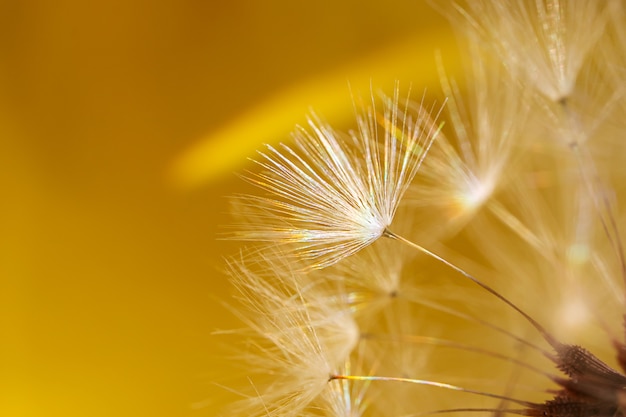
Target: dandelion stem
{"x": 453, "y": 345}
{"x": 544, "y": 333}
{"x": 456, "y": 313}
{"x": 469, "y": 410}
{"x": 428, "y": 383}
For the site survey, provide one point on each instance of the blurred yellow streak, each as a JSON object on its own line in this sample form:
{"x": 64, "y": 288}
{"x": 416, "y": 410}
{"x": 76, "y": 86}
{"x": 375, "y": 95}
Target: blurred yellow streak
{"x": 108, "y": 276}
{"x": 226, "y": 150}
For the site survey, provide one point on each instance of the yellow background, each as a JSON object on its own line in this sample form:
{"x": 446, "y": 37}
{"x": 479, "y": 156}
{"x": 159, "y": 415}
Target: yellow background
{"x": 109, "y": 264}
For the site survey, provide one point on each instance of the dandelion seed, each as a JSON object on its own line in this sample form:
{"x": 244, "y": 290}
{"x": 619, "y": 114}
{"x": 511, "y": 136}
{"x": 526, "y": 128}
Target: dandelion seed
{"x": 372, "y": 278}
{"x": 297, "y": 337}
{"x": 543, "y": 42}
{"x": 465, "y": 168}
{"x": 333, "y": 194}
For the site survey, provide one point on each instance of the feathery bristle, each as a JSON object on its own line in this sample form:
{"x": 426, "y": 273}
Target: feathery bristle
{"x": 333, "y": 194}
{"x": 489, "y": 282}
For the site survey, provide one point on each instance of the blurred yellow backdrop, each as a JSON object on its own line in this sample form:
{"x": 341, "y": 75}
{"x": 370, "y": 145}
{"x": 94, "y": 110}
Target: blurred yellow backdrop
{"x": 109, "y": 268}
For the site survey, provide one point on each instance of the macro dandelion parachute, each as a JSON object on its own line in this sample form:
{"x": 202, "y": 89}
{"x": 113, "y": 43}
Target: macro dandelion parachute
{"x": 332, "y": 194}
{"x": 532, "y": 308}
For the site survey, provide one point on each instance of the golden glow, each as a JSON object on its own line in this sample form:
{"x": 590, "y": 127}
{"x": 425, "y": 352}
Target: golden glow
{"x": 226, "y": 150}
{"x": 110, "y": 281}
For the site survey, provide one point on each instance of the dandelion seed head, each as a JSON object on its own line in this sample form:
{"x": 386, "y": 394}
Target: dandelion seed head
{"x": 332, "y": 194}
{"x": 546, "y": 236}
